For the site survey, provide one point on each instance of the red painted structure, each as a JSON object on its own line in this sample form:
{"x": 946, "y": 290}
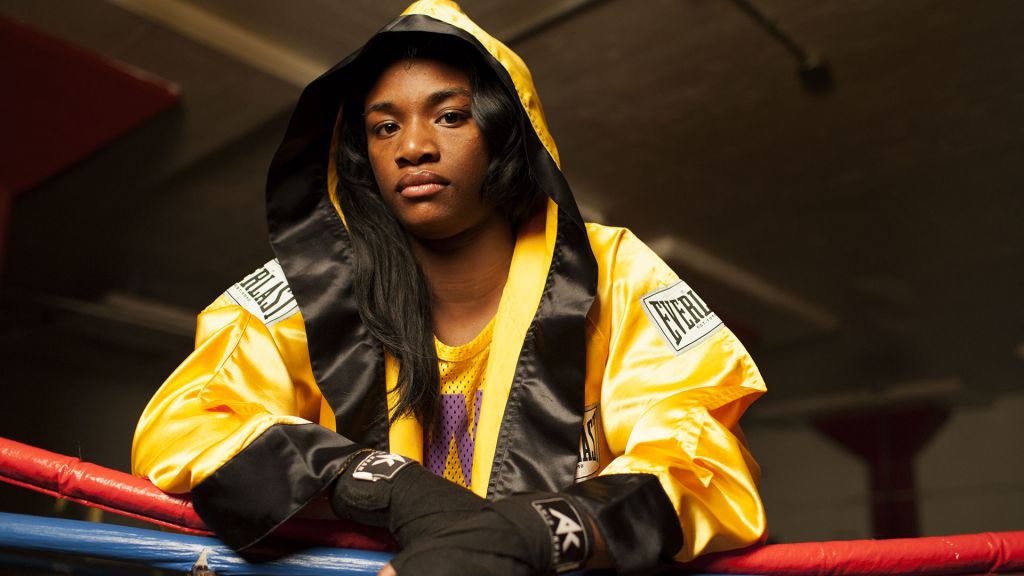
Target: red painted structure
{"x": 60, "y": 103}
{"x": 888, "y": 440}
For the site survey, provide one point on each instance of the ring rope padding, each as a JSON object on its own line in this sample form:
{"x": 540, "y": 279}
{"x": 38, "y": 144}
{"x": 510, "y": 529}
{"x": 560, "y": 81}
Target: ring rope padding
{"x": 70, "y": 478}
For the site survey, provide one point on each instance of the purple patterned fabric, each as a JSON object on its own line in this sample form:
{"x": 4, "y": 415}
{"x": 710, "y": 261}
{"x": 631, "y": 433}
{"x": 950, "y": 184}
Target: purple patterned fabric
{"x": 454, "y": 426}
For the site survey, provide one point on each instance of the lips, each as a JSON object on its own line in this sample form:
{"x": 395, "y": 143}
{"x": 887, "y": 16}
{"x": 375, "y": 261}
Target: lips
{"x": 420, "y": 184}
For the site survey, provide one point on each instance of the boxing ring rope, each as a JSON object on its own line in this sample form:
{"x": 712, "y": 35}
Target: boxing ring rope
{"x": 69, "y": 478}
{"x": 365, "y": 550}
{"x": 177, "y": 552}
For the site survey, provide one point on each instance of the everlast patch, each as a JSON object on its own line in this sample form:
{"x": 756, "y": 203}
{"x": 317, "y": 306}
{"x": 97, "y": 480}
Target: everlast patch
{"x": 569, "y": 542}
{"x": 590, "y": 453}
{"x": 265, "y": 294}
{"x": 379, "y": 466}
{"x": 682, "y": 318}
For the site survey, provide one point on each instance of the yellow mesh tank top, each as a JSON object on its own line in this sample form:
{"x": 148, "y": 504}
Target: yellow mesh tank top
{"x": 450, "y": 447}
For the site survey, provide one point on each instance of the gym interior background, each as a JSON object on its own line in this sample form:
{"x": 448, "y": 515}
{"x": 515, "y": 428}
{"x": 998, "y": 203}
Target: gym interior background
{"x": 841, "y": 180}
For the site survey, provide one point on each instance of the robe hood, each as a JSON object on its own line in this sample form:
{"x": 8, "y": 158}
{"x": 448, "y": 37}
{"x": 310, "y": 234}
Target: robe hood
{"x": 534, "y": 402}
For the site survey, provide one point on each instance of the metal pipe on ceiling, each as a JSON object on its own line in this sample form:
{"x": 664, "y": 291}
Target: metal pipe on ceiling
{"x": 812, "y": 68}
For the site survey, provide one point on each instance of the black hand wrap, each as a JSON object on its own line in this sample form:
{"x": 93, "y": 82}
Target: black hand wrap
{"x": 539, "y": 533}
{"x": 505, "y": 538}
{"x": 389, "y": 491}
{"x": 637, "y": 520}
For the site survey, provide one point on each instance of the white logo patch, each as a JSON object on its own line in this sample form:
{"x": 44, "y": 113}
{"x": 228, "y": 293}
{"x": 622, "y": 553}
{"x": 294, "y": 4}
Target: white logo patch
{"x": 569, "y": 529}
{"x": 590, "y": 452}
{"x": 379, "y": 466}
{"x": 569, "y": 542}
{"x": 265, "y": 294}
{"x": 680, "y": 316}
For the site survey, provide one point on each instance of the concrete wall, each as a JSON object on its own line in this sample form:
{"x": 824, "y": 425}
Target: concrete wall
{"x": 813, "y": 490}
{"x": 970, "y": 477}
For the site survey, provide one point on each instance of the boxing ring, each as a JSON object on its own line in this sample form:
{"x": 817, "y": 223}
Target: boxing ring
{"x": 317, "y": 547}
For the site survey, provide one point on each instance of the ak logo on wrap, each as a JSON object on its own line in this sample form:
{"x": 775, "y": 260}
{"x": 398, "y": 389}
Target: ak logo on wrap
{"x": 680, "y": 316}
{"x": 569, "y": 543}
{"x": 379, "y": 466}
{"x": 265, "y": 294}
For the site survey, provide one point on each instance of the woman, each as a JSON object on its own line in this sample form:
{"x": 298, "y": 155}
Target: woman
{"x": 437, "y": 299}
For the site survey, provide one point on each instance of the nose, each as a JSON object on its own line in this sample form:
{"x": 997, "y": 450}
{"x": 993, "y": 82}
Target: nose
{"x": 417, "y": 146}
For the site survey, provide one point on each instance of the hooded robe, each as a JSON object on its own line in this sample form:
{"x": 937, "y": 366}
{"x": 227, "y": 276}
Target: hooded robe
{"x": 602, "y": 360}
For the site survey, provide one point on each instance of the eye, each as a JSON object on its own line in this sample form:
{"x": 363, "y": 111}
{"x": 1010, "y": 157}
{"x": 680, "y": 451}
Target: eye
{"x": 386, "y": 128}
{"x": 453, "y": 118}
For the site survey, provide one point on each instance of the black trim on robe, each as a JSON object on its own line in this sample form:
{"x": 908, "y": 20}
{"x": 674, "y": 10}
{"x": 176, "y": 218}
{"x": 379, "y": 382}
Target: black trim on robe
{"x": 538, "y": 444}
{"x": 637, "y": 520}
{"x": 269, "y": 480}
{"x": 313, "y": 248}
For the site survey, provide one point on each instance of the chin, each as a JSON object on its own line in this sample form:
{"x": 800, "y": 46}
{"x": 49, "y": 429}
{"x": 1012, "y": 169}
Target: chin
{"x": 433, "y": 231}
{"x": 442, "y": 229}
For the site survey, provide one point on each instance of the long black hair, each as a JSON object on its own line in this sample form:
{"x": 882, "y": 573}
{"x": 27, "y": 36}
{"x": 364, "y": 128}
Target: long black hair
{"x": 388, "y": 284}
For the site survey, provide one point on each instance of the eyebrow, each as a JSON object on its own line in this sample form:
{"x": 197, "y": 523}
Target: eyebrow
{"x": 432, "y": 100}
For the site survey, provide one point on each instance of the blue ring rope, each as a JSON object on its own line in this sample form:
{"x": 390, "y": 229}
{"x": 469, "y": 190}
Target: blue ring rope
{"x": 178, "y": 552}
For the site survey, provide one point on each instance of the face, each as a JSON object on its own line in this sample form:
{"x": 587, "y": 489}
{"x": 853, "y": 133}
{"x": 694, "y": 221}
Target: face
{"x": 428, "y": 155}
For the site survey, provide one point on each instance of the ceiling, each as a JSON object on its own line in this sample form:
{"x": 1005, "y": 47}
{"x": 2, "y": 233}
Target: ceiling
{"x": 865, "y": 241}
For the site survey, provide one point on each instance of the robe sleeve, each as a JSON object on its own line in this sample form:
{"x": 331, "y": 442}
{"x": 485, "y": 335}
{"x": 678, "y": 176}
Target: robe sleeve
{"x": 675, "y": 413}
{"x": 242, "y": 425}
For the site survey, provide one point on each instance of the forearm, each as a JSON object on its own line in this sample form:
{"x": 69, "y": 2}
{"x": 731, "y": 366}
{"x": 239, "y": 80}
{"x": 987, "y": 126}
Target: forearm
{"x": 274, "y": 477}
{"x": 714, "y": 494}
